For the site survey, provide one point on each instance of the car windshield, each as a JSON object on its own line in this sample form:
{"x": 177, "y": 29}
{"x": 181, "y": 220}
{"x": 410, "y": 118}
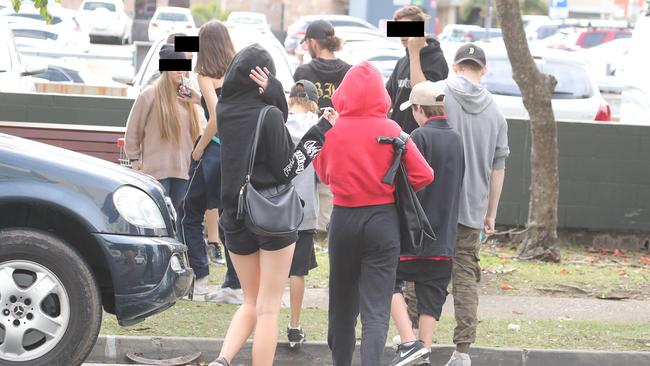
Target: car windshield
{"x": 172, "y": 17}
{"x": 573, "y": 82}
{"x": 99, "y": 5}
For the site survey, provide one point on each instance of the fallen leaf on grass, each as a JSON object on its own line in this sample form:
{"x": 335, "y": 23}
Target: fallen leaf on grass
{"x": 617, "y": 253}
{"x": 564, "y": 271}
{"x": 590, "y": 260}
{"x": 622, "y": 273}
{"x": 645, "y": 260}
{"x": 517, "y": 312}
{"x": 506, "y": 286}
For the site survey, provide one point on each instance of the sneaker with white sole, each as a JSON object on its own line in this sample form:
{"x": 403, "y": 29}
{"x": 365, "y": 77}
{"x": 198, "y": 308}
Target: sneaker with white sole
{"x": 201, "y": 286}
{"x": 409, "y": 352}
{"x": 226, "y": 295}
{"x": 296, "y": 337}
{"x": 459, "y": 359}
{"x": 214, "y": 253}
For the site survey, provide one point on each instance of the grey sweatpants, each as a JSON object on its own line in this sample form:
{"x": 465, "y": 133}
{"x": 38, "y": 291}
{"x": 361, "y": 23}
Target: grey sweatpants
{"x": 363, "y": 253}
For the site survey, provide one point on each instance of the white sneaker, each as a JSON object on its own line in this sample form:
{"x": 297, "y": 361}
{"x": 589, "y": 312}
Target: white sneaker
{"x": 201, "y": 286}
{"x": 459, "y": 359}
{"x": 235, "y": 296}
{"x": 219, "y": 296}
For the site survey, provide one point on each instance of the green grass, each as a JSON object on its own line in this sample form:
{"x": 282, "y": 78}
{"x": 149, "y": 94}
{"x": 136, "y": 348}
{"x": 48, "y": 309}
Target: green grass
{"x": 196, "y": 319}
{"x": 596, "y": 274}
{"x": 533, "y": 278}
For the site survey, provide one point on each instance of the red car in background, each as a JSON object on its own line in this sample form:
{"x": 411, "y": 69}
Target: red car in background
{"x": 594, "y": 38}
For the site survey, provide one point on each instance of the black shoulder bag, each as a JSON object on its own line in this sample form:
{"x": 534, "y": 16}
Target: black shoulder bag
{"x": 416, "y": 233}
{"x": 272, "y": 211}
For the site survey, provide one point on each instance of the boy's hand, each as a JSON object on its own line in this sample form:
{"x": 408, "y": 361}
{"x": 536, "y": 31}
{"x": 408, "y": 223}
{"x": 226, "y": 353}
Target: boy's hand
{"x": 415, "y": 44}
{"x": 488, "y": 225}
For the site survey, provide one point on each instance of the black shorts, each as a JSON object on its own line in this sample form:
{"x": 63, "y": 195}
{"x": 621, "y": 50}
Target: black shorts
{"x": 431, "y": 279}
{"x": 240, "y": 240}
{"x": 304, "y": 256}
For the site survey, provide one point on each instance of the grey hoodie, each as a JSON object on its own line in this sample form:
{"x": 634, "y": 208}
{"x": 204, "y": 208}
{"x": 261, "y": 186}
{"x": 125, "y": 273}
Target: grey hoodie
{"x": 484, "y": 132}
{"x": 298, "y": 124}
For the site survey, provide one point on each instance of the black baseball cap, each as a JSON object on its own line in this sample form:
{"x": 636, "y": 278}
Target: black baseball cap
{"x": 470, "y": 52}
{"x": 319, "y": 29}
{"x": 310, "y": 92}
{"x": 167, "y": 53}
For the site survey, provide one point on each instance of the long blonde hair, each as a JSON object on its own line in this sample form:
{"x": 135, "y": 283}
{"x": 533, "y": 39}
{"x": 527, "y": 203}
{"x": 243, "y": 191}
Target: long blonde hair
{"x": 165, "y": 103}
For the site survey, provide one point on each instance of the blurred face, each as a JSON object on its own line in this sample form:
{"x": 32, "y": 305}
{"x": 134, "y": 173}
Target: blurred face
{"x": 405, "y": 40}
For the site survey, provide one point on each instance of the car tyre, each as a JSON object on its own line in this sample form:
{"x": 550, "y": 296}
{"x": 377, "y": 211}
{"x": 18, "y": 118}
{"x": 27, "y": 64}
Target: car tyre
{"x": 63, "y": 301}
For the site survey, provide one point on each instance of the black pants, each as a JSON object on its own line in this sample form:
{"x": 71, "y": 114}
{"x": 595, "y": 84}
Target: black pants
{"x": 363, "y": 251}
{"x": 203, "y": 192}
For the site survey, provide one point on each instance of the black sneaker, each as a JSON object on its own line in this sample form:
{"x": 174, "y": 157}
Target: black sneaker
{"x": 214, "y": 253}
{"x": 296, "y": 337}
{"x": 219, "y": 362}
{"x": 409, "y": 352}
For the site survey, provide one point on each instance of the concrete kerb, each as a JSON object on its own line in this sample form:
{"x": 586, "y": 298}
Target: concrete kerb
{"x": 113, "y": 349}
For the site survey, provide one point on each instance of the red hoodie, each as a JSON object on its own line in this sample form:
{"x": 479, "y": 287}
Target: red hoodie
{"x": 351, "y": 161}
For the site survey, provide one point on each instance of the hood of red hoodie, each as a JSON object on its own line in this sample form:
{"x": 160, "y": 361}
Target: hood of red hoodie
{"x": 362, "y": 93}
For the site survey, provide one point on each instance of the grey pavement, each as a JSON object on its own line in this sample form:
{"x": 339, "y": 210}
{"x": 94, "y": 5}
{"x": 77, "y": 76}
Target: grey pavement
{"x": 523, "y": 307}
{"x": 530, "y": 307}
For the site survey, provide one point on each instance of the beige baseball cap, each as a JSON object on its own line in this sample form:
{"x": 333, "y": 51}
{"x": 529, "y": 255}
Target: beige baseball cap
{"x": 425, "y": 93}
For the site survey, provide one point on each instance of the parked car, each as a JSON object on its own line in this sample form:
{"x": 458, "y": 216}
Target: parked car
{"x": 248, "y": 20}
{"x": 170, "y": 19}
{"x": 63, "y": 22}
{"x": 592, "y": 38}
{"x": 576, "y": 96}
{"x": 296, "y": 31}
{"x": 457, "y": 32}
{"x": 106, "y": 18}
{"x": 14, "y": 75}
{"x": 635, "y": 97}
{"x": 37, "y": 35}
{"x": 607, "y": 63}
{"x": 65, "y": 70}
{"x": 78, "y": 235}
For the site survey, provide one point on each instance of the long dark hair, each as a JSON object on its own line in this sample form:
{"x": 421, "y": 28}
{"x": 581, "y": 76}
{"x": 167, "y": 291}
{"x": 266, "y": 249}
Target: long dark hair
{"x": 215, "y": 50}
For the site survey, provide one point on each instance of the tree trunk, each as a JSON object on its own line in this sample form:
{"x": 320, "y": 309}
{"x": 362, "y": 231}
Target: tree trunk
{"x": 540, "y": 239}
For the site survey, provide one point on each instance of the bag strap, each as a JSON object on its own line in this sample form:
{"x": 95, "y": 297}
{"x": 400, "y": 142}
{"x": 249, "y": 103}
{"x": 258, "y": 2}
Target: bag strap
{"x": 256, "y": 137}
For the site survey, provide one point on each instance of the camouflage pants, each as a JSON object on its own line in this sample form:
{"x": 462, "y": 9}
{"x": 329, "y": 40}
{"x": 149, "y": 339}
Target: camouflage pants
{"x": 465, "y": 281}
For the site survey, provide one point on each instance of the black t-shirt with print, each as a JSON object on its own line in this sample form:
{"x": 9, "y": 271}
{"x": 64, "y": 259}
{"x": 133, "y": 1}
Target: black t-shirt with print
{"x": 326, "y": 75}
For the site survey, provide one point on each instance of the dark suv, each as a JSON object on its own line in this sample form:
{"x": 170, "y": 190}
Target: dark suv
{"x": 78, "y": 234}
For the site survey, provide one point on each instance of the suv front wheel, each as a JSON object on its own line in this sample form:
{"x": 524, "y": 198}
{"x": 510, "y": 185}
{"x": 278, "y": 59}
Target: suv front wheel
{"x": 50, "y": 308}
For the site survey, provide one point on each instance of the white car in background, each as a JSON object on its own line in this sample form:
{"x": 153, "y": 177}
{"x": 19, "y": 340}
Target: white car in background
{"x": 607, "y": 63}
{"x": 38, "y": 37}
{"x": 248, "y": 20}
{"x": 15, "y": 77}
{"x": 635, "y": 98}
{"x": 576, "y": 96}
{"x": 170, "y": 19}
{"x": 63, "y": 22}
{"x": 106, "y": 18}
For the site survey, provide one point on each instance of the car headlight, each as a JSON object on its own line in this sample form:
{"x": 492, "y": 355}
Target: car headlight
{"x": 138, "y": 208}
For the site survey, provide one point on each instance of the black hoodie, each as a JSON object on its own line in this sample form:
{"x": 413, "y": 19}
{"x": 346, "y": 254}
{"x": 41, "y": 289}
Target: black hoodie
{"x": 277, "y": 160}
{"x": 434, "y": 67}
{"x": 326, "y": 75}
